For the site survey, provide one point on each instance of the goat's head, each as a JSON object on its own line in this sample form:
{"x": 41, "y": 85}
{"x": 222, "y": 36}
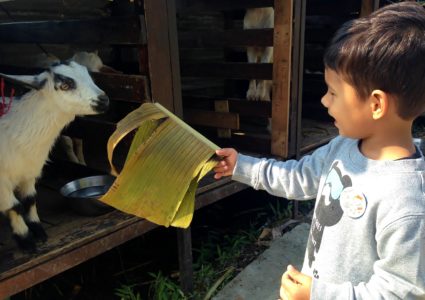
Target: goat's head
{"x": 70, "y": 86}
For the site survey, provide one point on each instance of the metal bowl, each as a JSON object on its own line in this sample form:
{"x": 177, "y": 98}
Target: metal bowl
{"x": 82, "y": 194}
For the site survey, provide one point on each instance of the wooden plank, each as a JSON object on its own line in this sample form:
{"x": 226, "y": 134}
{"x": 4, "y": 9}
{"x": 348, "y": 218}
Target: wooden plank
{"x": 191, "y": 6}
{"x": 243, "y": 141}
{"x": 226, "y": 38}
{"x": 73, "y": 253}
{"x": 113, "y": 30}
{"x": 281, "y": 77}
{"x": 42, "y": 9}
{"x": 211, "y": 118}
{"x": 339, "y": 7}
{"x": 241, "y": 106}
{"x": 212, "y": 196}
{"x": 223, "y": 106}
{"x": 163, "y": 54}
{"x": 228, "y": 70}
{"x": 123, "y": 87}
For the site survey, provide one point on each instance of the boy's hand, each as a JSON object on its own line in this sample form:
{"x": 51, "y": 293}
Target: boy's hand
{"x": 227, "y": 164}
{"x": 295, "y": 285}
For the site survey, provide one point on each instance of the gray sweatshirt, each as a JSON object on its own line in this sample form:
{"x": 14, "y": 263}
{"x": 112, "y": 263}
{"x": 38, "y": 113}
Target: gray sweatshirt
{"x": 367, "y": 237}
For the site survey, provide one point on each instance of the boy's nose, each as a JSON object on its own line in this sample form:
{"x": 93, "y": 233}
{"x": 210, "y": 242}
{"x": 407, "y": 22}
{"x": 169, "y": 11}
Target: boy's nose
{"x": 324, "y": 102}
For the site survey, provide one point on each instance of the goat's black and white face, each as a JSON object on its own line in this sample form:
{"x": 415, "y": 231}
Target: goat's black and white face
{"x": 67, "y": 85}
{"x": 76, "y": 91}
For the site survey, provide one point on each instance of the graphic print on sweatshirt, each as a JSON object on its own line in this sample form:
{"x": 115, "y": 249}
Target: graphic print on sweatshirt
{"x": 328, "y": 211}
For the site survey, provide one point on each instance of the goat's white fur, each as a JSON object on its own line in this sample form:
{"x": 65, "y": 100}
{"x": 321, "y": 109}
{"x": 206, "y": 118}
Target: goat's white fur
{"x": 29, "y": 130}
{"x": 259, "y": 18}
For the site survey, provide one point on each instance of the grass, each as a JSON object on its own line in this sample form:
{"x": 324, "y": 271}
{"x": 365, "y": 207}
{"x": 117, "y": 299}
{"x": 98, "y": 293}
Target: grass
{"x": 219, "y": 258}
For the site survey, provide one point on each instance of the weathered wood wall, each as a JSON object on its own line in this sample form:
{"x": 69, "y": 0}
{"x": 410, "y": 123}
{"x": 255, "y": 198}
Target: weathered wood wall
{"x": 28, "y": 54}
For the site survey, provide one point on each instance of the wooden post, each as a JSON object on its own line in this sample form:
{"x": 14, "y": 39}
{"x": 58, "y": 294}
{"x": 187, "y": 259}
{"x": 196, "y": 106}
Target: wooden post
{"x": 368, "y": 6}
{"x": 223, "y": 106}
{"x": 164, "y": 67}
{"x": 281, "y": 76}
{"x": 184, "y": 244}
{"x": 297, "y": 73}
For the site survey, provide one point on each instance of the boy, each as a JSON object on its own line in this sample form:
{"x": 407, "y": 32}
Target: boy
{"x": 367, "y": 237}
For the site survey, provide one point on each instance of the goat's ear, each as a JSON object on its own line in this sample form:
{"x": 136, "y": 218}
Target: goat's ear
{"x": 27, "y": 81}
{"x": 66, "y": 61}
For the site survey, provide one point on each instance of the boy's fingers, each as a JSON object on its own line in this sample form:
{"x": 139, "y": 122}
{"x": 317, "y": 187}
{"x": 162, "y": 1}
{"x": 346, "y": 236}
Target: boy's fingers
{"x": 221, "y": 168}
{"x": 283, "y": 294}
{"x": 218, "y": 175}
{"x": 286, "y": 280}
{"x": 296, "y": 275}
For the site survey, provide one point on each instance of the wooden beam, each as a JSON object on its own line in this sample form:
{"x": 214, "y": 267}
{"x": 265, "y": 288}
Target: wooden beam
{"x": 164, "y": 68}
{"x": 241, "y": 106}
{"x": 113, "y": 30}
{"x": 211, "y": 118}
{"x": 228, "y": 70}
{"x": 226, "y": 38}
{"x": 190, "y": 6}
{"x": 281, "y": 76}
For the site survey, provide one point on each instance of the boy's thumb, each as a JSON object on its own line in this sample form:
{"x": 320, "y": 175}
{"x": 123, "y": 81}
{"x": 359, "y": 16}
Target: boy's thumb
{"x": 223, "y": 152}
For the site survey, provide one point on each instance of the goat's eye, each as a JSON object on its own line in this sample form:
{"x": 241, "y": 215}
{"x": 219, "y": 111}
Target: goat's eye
{"x": 67, "y": 84}
{"x": 64, "y": 86}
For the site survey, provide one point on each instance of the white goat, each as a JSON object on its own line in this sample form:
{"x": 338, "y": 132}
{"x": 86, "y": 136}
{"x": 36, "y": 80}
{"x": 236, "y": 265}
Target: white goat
{"x": 29, "y": 130}
{"x": 256, "y": 18}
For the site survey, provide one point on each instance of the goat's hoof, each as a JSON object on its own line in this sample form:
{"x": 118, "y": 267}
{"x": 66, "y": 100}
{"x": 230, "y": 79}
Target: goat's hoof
{"x": 250, "y": 95}
{"x": 38, "y": 231}
{"x": 26, "y": 243}
{"x": 262, "y": 96}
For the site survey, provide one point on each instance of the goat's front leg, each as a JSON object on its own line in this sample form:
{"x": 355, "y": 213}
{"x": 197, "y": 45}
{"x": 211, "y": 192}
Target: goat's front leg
{"x": 252, "y": 89}
{"x": 78, "y": 149}
{"x": 26, "y": 194}
{"x": 264, "y": 86}
{"x": 14, "y": 210}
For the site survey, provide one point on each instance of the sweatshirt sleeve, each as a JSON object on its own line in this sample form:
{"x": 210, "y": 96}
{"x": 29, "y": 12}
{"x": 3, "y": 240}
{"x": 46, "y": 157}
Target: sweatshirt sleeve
{"x": 289, "y": 179}
{"x": 398, "y": 274}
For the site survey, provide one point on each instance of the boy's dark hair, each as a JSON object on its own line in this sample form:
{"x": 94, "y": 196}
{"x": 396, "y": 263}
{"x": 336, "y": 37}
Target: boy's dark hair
{"x": 386, "y": 51}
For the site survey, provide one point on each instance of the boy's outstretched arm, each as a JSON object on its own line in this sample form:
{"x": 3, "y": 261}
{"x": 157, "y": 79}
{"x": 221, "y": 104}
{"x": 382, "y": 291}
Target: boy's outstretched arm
{"x": 226, "y": 166}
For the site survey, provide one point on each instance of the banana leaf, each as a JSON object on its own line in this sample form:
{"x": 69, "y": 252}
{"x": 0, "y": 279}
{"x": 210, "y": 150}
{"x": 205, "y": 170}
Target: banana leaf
{"x": 165, "y": 162}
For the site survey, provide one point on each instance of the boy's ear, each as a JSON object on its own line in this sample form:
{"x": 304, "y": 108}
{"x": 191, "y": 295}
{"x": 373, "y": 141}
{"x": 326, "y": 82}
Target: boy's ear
{"x": 379, "y": 104}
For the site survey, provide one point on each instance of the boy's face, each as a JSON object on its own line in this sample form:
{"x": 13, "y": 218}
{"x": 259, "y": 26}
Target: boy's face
{"x": 352, "y": 115}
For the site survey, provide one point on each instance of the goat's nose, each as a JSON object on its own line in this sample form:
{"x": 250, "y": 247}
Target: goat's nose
{"x": 102, "y": 104}
{"x": 103, "y": 98}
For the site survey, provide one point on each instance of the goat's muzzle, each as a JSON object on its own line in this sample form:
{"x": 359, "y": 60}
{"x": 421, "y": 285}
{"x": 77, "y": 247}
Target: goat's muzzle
{"x": 101, "y": 104}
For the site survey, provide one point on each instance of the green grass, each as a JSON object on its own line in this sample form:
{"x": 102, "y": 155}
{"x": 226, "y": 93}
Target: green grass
{"x": 220, "y": 257}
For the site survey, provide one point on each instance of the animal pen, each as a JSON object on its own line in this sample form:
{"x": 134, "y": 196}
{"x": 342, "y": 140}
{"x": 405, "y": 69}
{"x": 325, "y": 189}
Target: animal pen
{"x": 188, "y": 55}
